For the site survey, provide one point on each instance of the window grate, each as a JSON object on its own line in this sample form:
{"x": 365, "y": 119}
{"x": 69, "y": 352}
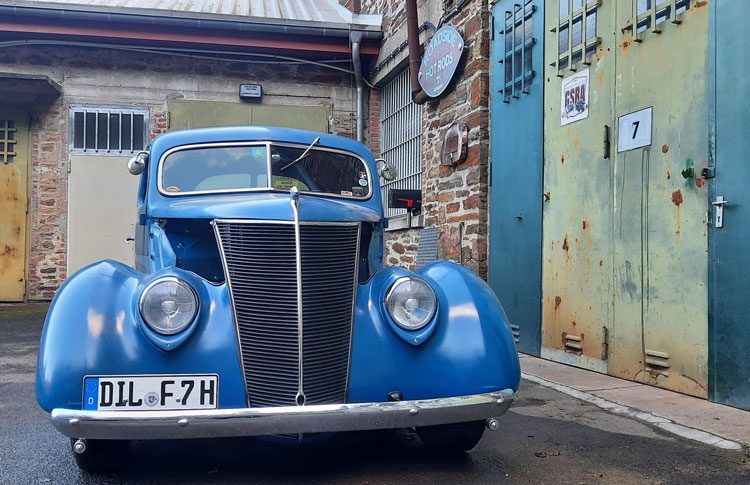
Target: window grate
{"x": 519, "y": 42}
{"x": 651, "y": 14}
{"x": 400, "y": 137}
{"x": 108, "y": 131}
{"x": 7, "y": 141}
{"x": 576, "y": 34}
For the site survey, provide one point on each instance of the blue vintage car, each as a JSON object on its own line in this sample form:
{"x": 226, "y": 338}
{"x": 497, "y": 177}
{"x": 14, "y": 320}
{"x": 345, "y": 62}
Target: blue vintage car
{"x": 259, "y": 306}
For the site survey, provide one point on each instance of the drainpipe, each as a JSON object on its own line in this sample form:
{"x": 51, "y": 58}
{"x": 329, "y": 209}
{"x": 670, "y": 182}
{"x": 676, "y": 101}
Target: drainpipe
{"x": 412, "y": 28}
{"x": 356, "y": 38}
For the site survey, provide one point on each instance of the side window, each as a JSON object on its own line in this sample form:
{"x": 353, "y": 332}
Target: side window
{"x": 400, "y": 137}
{"x": 576, "y": 34}
{"x": 651, "y": 14}
{"x": 105, "y": 131}
{"x": 7, "y": 141}
{"x": 519, "y": 42}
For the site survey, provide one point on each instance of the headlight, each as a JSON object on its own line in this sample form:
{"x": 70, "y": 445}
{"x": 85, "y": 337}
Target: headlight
{"x": 411, "y": 303}
{"x": 168, "y": 305}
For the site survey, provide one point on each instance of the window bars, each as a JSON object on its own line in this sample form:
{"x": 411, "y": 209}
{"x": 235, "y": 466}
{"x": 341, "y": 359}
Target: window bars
{"x": 7, "y": 141}
{"x": 400, "y": 137}
{"x": 519, "y": 42}
{"x": 650, "y": 14}
{"x": 108, "y": 131}
{"x": 576, "y": 34}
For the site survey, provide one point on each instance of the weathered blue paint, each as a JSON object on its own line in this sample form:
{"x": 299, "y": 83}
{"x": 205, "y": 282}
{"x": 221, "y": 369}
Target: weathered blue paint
{"x": 729, "y": 258}
{"x": 515, "y": 251}
{"x": 94, "y": 325}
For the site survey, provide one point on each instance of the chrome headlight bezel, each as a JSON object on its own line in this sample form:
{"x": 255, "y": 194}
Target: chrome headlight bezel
{"x": 168, "y": 332}
{"x": 392, "y": 293}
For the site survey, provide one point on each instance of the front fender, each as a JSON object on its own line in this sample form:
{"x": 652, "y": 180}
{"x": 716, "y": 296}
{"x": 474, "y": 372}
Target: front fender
{"x": 470, "y": 351}
{"x": 94, "y": 327}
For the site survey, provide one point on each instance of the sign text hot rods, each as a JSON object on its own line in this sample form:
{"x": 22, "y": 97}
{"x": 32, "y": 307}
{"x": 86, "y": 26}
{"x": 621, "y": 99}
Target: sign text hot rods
{"x": 440, "y": 60}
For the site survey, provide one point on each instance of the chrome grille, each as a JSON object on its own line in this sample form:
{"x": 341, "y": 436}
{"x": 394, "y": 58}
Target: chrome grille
{"x": 260, "y": 264}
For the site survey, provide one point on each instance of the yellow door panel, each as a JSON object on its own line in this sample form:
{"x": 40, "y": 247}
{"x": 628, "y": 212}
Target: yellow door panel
{"x": 14, "y": 169}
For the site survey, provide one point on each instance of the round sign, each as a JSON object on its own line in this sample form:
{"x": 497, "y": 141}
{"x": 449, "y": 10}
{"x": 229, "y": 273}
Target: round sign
{"x": 440, "y": 60}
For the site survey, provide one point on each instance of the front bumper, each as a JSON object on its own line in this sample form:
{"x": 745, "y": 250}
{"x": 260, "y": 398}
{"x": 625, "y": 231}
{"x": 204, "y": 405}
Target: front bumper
{"x": 216, "y": 423}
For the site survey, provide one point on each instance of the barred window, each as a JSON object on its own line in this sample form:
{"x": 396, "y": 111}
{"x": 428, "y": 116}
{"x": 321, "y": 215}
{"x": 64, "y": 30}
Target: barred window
{"x": 400, "y": 137}
{"x": 108, "y": 131}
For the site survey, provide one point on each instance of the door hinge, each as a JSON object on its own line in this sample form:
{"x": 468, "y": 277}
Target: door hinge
{"x": 605, "y": 343}
{"x": 607, "y": 145}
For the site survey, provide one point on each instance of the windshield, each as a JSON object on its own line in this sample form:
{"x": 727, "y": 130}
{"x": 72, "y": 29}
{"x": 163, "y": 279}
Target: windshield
{"x": 242, "y": 168}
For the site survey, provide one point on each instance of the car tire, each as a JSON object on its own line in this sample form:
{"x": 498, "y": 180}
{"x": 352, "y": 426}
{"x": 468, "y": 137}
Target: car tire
{"x": 100, "y": 456}
{"x": 452, "y": 438}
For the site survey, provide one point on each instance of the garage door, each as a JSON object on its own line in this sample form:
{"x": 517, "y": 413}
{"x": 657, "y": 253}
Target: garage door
{"x": 101, "y": 191}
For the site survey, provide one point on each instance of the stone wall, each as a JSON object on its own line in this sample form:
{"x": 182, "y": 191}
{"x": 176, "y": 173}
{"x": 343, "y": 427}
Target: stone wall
{"x": 455, "y": 198}
{"x": 103, "y": 77}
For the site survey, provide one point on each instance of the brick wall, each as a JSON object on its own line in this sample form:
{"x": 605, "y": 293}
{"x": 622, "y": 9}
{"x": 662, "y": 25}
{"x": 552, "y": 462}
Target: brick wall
{"x": 455, "y": 197}
{"x": 101, "y": 77}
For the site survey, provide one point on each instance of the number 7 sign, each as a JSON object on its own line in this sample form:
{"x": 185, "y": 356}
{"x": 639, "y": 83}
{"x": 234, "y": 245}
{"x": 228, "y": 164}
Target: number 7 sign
{"x": 634, "y": 130}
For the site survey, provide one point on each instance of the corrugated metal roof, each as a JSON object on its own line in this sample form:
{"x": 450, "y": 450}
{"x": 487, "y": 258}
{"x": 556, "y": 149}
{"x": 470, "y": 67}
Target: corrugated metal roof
{"x": 322, "y": 11}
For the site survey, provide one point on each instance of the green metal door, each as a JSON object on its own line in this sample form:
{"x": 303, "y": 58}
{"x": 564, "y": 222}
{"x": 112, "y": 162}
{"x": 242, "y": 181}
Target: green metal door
{"x": 624, "y": 225}
{"x": 729, "y": 258}
{"x": 659, "y": 334}
{"x": 516, "y": 160}
{"x": 577, "y": 215}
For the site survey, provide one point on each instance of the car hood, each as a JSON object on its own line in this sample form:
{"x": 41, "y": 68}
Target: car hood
{"x": 263, "y": 206}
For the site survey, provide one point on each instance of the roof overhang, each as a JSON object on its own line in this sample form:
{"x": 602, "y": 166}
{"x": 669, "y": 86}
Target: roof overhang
{"x": 151, "y": 26}
{"x": 27, "y": 88}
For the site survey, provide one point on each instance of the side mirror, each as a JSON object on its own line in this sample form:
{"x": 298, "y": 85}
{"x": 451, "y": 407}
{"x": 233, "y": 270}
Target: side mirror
{"x": 138, "y": 163}
{"x": 387, "y": 170}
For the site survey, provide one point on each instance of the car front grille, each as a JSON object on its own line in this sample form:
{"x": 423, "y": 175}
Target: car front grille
{"x": 260, "y": 264}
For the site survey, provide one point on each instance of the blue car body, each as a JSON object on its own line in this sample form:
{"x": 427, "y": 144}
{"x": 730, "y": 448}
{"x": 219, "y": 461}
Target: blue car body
{"x": 94, "y": 325}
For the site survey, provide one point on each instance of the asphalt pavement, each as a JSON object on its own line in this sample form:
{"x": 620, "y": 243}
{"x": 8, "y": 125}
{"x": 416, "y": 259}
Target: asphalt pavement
{"x": 546, "y": 437}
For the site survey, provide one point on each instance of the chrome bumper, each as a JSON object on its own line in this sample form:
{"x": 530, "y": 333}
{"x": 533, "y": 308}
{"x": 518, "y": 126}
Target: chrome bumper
{"x": 215, "y": 423}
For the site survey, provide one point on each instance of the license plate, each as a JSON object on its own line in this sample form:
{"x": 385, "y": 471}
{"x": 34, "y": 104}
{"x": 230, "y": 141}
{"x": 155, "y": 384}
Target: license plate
{"x": 146, "y": 393}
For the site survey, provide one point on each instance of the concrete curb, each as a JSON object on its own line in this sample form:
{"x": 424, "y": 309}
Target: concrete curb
{"x": 658, "y": 421}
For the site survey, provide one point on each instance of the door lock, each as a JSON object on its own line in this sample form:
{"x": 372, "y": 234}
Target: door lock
{"x": 719, "y": 204}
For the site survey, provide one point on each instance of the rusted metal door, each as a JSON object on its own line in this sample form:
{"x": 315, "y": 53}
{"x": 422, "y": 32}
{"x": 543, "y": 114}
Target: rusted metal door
{"x": 14, "y": 169}
{"x": 660, "y": 234}
{"x": 577, "y": 212}
{"x": 516, "y": 160}
{"x": 625, "y": 224}
{"x": 729, "y": 258}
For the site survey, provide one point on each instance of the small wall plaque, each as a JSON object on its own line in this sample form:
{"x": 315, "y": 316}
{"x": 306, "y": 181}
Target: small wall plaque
{"x": 455, "y": 144}
{"x": 253, "y": 92}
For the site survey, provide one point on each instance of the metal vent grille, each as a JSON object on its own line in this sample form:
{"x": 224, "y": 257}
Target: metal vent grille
{"x": 260, "y": 263}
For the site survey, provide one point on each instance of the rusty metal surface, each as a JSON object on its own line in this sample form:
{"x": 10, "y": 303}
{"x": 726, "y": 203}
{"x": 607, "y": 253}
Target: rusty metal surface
{"x": 660, "y": 230}
{"x": 577, "y": 215}
{"x": 13, "y": 203}
{"x": 625, "y": 238}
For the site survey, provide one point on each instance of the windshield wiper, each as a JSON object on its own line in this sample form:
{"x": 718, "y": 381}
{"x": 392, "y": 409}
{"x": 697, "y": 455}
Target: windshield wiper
{"x": 304, "y": 154}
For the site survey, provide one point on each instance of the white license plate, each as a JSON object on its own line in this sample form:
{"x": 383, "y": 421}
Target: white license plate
{"x": 146, "y": 393}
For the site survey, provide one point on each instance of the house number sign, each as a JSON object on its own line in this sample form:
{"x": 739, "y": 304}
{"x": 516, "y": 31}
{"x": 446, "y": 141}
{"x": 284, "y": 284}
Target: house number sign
{"x": 440, "y": 60}
{"x": 634, "y": 130}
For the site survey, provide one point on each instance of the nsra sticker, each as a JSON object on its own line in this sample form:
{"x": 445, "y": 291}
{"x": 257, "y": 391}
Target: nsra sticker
{"x": 363, "y": 182}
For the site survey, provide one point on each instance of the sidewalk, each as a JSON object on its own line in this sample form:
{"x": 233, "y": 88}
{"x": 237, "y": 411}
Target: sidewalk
{"x": 690, "y": 417}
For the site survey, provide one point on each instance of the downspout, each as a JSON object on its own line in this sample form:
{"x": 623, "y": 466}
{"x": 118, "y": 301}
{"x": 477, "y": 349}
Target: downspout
{"x": 356, "y": 38}
{"x": 412, "y": 29}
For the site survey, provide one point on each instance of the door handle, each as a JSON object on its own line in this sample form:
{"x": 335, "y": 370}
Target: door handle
{"x": 719, "y": 203}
